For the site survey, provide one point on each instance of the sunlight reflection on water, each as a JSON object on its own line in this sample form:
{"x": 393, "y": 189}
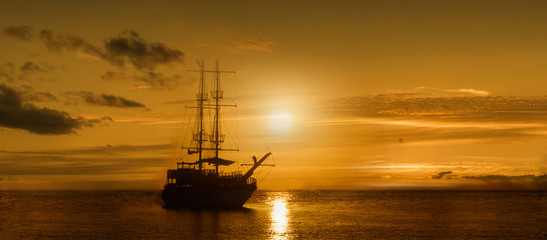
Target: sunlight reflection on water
{"x": 279, "y": 216}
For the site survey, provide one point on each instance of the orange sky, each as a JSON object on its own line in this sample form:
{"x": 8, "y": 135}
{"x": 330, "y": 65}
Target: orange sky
{"x": 371, "y": 94}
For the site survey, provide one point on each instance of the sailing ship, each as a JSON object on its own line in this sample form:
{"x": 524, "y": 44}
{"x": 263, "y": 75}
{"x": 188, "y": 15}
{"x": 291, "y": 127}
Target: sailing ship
{"x": 192, "y": 184}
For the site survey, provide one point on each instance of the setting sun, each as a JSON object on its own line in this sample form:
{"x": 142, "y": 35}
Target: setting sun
{"x": 280, "y": 122}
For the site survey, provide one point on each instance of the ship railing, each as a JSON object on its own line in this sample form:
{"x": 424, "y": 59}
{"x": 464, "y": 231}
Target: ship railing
{"x": 201, "y": 97}
{"x": 208, "y": 172}
{"x": 232, "y": 175}
{"x": 217, "y": 93}
{"x": 251, "y": 181}
{"x": 198, "y": 137}
{"x": 221, "y": 137}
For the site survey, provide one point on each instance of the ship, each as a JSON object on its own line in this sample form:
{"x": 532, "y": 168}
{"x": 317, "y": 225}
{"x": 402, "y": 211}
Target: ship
{"x": 198, "y": 183}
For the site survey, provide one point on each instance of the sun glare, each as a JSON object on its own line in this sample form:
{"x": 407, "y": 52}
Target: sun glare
{"x": 280, "y": 122}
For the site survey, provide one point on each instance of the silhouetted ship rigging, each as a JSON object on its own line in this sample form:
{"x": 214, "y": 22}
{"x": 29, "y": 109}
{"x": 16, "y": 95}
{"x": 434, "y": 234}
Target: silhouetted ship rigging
{"x": 191, "y": 185}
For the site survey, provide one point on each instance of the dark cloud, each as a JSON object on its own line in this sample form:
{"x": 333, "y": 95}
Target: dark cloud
{"x": 114, "y": 76}
{"x": 528, "y": 182}
{"x": 8, "y": 72}
{"x": 159, "y": 82}
{"x": 150, "y": 80}
{"x": 29, "y": 94}
{"x": 19, "y": 32}
{"x": 105, "y": 100}
{"x": 445, "y": 175}
{"x": 29, "y": 67}
{"x": 130, "y": 47}
{"x": 68, "y": 42}
{"x": 15, "y": 112}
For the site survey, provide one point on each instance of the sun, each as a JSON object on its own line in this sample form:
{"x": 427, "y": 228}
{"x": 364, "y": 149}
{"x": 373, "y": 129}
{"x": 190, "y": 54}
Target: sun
{"x": 280, "y": 122}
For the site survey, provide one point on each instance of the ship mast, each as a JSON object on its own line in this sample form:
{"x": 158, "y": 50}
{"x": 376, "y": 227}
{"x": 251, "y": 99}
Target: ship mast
{"x": 217, "y": 95}
{"x": 201, "y": 98}
{"x": 216, "y": 138}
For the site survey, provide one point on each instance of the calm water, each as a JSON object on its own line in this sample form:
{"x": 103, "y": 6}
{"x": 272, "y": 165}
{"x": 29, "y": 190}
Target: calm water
{"x": 277, "y": 215}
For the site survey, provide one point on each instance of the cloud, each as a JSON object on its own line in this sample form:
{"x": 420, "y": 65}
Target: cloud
{"x": 418, "y": 119}
{"x": 29, "y": 94}
{"x": 529, "y": 182}
{"x": 29, "y": 67}
{"x": 130, "y": 47}
{"x": 117, "y": 160}
{"x": 151, "y": 80}
{"x": 105, "y": 100}
{"x": 69, "y": 43}
{"x": 256, "y": 43}
{"x": 471, "y": 91}
{"x": 442, "y": 91}
{"x": 19, "y": 32}
{"x": 445, "y": 175}
{"x": 8, "y": 72}
{"x": 15, "y": 112}
{"x": 504, "y": 108}
{"x": 157, "y": 81}
{"x": 114, "y": 76}
{"x": 107, "y": 150}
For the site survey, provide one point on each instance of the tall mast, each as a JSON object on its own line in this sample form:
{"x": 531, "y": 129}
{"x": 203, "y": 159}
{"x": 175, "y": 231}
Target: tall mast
{"x": 201, "y": 98}
{"x": 217, "y": 109}
{"x": 217, "y": 95}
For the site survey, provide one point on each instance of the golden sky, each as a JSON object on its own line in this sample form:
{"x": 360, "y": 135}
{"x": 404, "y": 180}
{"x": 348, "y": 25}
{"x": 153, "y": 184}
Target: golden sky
{"x": 346, "y": 94}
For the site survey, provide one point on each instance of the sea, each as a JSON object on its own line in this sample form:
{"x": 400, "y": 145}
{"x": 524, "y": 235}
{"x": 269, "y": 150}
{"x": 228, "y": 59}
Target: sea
{"x": 277, "y": 215}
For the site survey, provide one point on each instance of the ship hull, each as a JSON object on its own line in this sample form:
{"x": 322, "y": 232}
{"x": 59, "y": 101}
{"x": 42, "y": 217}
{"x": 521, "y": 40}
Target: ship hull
{"x": 200, "y": 197}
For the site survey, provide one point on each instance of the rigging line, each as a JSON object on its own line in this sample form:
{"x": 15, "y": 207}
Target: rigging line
{"x": 264, "y": 177}
{"x": 175, "y": 150}
{"x": 237, "y": 126}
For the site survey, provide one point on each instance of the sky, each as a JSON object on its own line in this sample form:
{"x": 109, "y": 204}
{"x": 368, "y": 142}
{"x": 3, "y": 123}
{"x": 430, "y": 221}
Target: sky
{"x": 365, "y": 95}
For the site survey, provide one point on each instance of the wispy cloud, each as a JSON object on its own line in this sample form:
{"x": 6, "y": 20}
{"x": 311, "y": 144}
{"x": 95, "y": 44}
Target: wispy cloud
{"x": 498, "y": 108}
{"x": 158, "y": 81}
{"x": 10, "y": 73}
{"x": 106, "y": 150}
{"x": 254, "y": 43}
{"x": 443, "y": 91}
{"x": 30, "y": 67}
{"x": 134, "y": 164}
{"x": 471, "y": 91}
{"x": 148, "y": 80}
{"x": 418, "y": 119}
{"x": 104, "y": 100}
{"x": 19, "y": 32}
{"x": 521, "y": 182}
{"x": 29, "y": 94}
{"x": 114, "y": 76}
{"x": 70, "y": 43}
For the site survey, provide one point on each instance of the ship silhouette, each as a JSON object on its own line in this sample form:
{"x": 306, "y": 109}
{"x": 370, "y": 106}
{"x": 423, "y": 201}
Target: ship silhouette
{"x": 191, "y": 184}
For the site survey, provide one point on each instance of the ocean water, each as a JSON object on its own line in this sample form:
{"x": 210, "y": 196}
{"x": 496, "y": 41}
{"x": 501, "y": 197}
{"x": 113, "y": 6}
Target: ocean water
{"x": 277, "y": 215}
